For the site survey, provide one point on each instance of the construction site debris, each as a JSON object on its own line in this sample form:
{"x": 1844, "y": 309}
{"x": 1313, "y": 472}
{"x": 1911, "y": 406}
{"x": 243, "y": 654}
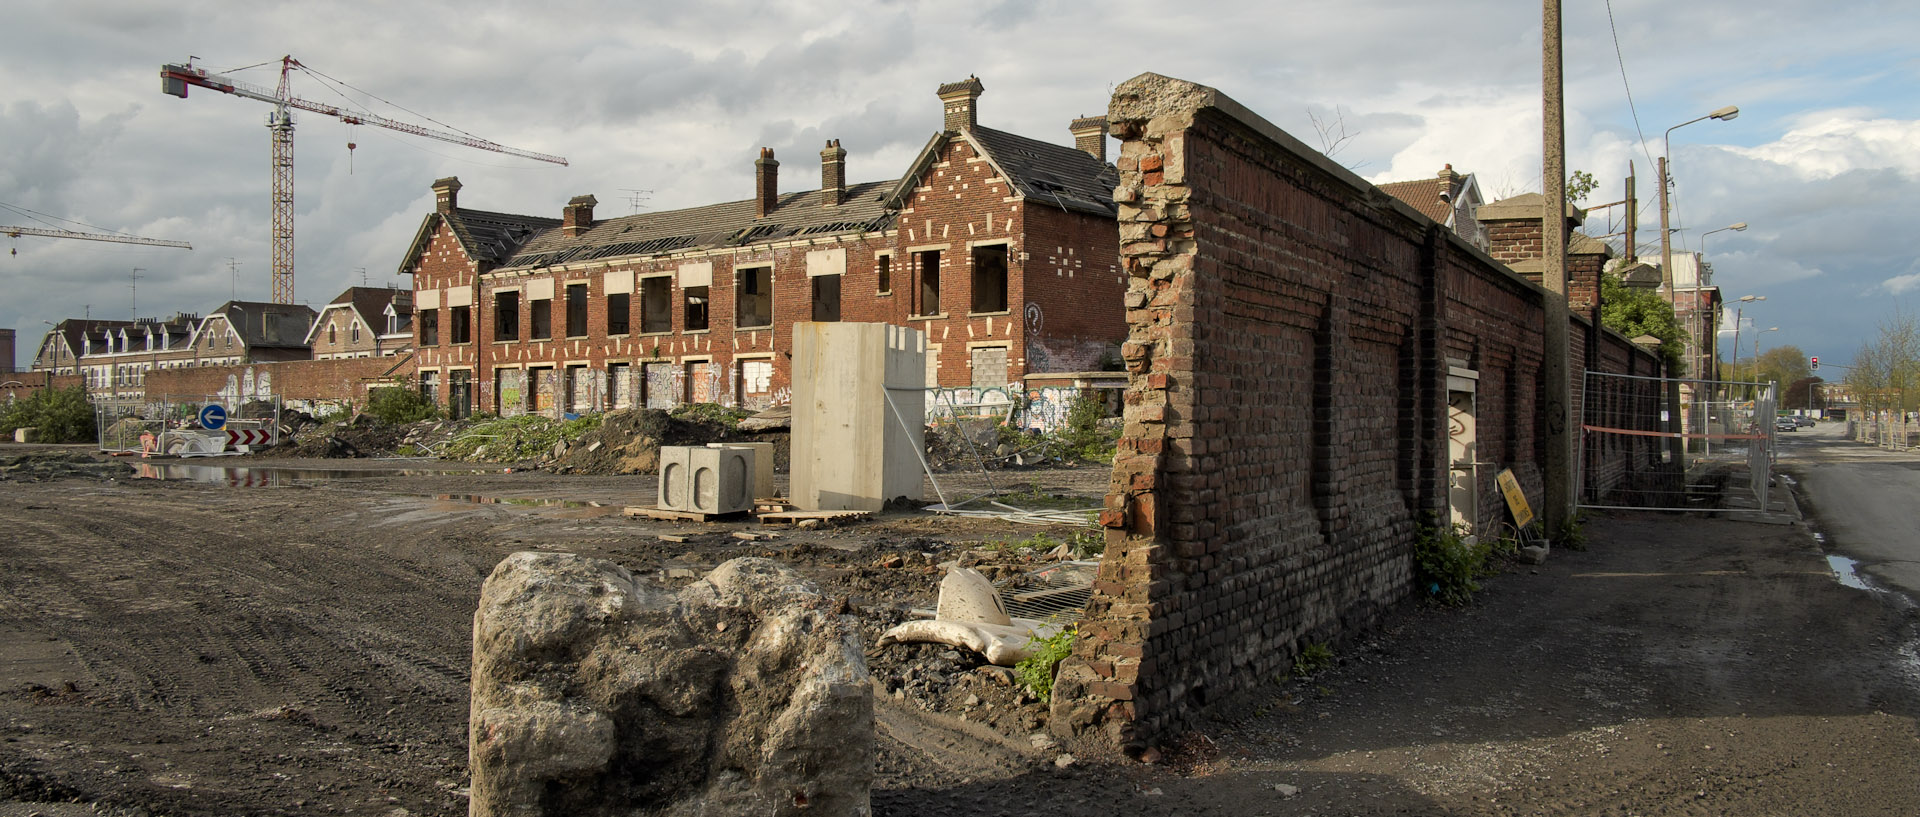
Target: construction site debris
{"x": 970, "y": 615}
{"x": 743, "y": 693}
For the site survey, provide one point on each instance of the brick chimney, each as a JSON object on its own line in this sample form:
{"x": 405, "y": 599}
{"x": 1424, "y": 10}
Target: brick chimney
{"x": 960, "y": 99}
{"x": 766, "y": 183}
{"x": 1449, "y": 183}
{"x": 446, "y": 194}
{"x": 1090, "y": 135}
{"x": 577, "y": 218}
{"x": 833, "y": 174}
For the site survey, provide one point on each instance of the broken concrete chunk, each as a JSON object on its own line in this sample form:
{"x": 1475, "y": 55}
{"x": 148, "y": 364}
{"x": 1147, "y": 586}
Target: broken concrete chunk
{"x": 598, "y": 694}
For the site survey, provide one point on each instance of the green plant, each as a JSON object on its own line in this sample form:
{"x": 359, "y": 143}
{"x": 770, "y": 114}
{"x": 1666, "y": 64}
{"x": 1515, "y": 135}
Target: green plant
{"x": 727, "y": 417}
{"x": 1036, "y": 670}
{"x": 1447, "y": 564}
{"x": 399, "y": 405}
{"x": 1089, "y": 541}
{"x": 1084, "y": 437}
{"x": 516, "y": 439}
{"x": 1312, "y": 659}
{"x": 62, "y": 415}
{"x": 1572, "y": 533}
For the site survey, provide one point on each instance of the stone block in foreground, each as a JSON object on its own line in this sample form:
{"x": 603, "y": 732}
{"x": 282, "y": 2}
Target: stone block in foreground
{"x": 597, "y": 694}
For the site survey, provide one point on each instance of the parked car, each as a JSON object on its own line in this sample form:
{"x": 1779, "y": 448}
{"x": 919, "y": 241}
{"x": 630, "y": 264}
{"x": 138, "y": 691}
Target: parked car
{"x": 1785, "y": 424}
{"x": 1803, "y": 422}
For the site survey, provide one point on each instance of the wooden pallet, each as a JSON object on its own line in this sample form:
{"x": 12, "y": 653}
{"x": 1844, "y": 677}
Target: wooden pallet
{"x": 685, "y": 516}
{"x": 825, "y": 517}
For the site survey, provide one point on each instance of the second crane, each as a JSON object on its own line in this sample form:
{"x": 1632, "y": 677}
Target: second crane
{"x": 175, "y": 79}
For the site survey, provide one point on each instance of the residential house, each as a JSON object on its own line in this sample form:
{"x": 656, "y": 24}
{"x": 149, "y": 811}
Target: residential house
{"x": 1449, "y": 198}
{"x": 1002, "y": 248}
{"x": 115, "y": 356}
{"x": 363, "y": 322}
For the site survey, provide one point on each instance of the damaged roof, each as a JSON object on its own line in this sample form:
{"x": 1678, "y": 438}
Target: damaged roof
{"x": 486, "y": 237}
{"x": 713, "y": 226}
{"x": 1041, "y": 172}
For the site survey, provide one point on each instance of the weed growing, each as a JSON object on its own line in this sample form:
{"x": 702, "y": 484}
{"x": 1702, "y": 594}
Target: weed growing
{"x": 1448, "y": 565}
{"x": 1036, "y": 671}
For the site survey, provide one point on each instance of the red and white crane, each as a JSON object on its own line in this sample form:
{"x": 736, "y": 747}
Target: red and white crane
{"x": 16, "y": 232}
{"x": 175, "y": 79}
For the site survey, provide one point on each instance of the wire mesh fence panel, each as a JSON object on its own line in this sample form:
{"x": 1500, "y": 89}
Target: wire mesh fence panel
{"x": 1663, "y": 443}
{"x": 183, "y": 425}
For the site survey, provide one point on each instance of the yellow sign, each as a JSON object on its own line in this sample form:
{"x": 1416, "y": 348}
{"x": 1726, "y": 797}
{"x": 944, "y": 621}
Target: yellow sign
{"x": 1516, "y": 498}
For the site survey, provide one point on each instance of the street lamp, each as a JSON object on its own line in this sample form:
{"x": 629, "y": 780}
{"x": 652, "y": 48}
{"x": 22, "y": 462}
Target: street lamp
{"x": 1725, "y": 114}
{"x": 1743, "y": 300}
{"x": 1701, "y": 315}
{"x": 1738, "y": 228}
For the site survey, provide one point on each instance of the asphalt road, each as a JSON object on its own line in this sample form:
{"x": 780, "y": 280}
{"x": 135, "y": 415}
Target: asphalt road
{"x": 1865, "y": 499}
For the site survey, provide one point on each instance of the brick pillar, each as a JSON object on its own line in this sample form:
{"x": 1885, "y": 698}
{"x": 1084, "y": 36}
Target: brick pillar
{"x": 446, "y": 194}
{"x": 766, "y": 183}
{"x": 1090, "y": 135}
{"x": 577, "y": 218}
{"x": 833, "y": 174}
{"x": 960, "y": 101}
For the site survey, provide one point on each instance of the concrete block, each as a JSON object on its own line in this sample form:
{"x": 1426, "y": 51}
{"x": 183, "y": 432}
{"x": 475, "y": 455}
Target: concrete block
{"x": 850, "y": 450}
{"x": 26, "y": 434}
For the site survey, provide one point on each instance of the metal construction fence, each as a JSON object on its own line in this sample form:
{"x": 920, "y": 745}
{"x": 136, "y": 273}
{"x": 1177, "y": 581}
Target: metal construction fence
{"x": 1672, "y": 444}
{"x": 178, "y": 425}
{"x": 1888, "y": 430}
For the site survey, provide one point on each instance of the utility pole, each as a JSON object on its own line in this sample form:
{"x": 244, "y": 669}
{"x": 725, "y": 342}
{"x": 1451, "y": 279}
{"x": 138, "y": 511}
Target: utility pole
{"x": 1633, "y": 214}
{"x": 1666, "y": 237}
{"x": 135, "y": 286}
{"x": 233, "y": 273}
{"x": 1558, "y": 479}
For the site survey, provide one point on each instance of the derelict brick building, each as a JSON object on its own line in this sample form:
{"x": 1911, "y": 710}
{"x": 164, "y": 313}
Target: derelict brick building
{"x": 1003, "y": 249}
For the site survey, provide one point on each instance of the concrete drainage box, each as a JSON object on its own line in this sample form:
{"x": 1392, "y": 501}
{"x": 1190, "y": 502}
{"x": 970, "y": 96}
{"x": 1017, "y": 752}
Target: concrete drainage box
{"x": 706, "y": 480}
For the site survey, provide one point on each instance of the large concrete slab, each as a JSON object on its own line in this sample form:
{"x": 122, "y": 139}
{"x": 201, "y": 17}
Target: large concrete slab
{"x": 853, "y": 447}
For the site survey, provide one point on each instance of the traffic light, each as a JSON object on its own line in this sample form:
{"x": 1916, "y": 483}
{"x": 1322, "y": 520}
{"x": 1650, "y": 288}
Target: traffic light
{"x": 1815, "y": 360}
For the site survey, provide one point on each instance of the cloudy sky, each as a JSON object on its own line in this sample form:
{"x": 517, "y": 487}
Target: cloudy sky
{"x": 674, "y": 99}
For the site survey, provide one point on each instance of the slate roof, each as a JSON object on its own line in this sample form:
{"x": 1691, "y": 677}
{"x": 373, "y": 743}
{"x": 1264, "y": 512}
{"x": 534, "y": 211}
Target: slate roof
{"x": 370, "y": 303}
{"x": 488, "y": 238}
{"x": 247, "y": 319}
{"x": 1046, "y": 173}
{"x": 712, "y": 226}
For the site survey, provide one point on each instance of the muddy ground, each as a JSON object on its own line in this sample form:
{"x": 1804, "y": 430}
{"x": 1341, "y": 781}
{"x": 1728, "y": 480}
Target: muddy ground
{"x": 301, "y": 647}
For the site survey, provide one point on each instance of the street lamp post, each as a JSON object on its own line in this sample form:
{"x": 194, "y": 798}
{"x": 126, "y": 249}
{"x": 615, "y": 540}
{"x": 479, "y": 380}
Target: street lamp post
{"x": 1701, "y": 318}
{"x": 1725, "y": 114}
{"x": 1737, "y": 316}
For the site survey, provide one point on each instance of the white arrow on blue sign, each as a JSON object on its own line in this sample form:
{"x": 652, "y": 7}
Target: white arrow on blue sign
{"x": 213, "y": 417}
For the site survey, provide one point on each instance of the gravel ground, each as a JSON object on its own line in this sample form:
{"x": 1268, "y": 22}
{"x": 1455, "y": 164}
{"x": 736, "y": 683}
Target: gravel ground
{"x": 301, "y": 647}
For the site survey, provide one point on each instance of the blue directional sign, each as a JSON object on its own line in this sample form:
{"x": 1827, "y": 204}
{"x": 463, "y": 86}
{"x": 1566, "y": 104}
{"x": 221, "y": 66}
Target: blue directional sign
{"x": 213, "y": 417}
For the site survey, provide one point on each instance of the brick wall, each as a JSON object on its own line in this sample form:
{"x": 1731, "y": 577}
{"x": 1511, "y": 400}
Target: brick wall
{"x": 1293, "y": 335}
{"x": 21, "y": 385}
{"x": 344, "y": 379}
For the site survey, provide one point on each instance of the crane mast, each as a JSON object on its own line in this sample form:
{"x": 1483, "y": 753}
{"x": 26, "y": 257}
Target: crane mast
{"x": 176, "y": 78}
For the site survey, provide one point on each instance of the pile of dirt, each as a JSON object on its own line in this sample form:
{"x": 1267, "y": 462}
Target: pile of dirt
{"x": 363, "y": 436}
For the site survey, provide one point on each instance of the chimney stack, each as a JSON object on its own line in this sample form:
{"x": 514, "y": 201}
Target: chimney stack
{"x": 960, "y": 101}
{"x": 766, "y": 190}
{"x": 1090, "y": 135}
{"x": 446, "y": 194}
{"x": 577, "y": 218}
{"x": 833, "y": 174}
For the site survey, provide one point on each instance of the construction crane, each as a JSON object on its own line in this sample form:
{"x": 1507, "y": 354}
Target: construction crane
{"x": 175, "y": 79}
{"x": 16, "y": 232}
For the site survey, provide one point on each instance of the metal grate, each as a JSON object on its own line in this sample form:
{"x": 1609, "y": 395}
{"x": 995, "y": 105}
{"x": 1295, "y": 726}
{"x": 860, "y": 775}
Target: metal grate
{"x": 1057, "y": 591}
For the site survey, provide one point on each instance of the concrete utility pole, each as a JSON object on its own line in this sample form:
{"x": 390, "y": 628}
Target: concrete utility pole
{"x": 1558, "y": 480}
{"x": 1633, "y": 215}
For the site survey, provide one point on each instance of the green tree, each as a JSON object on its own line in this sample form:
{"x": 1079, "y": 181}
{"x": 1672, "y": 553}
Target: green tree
{"x": 1783, "y": 365}
{"x": 1887, "y": 369}
{"x": 1634, "y": 311}
{"x": 62, "y": 415}
{"x": 1579, "y": 185}
{"x": 399, "y": 405}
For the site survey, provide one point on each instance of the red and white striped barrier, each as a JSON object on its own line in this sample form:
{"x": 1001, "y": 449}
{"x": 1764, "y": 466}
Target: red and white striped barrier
{"x": 248, "y": 436}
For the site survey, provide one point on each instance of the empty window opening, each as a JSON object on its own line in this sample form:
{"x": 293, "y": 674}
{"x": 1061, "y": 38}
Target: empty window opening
{"x": 928, "y": 263}
{"x": 696, "y": 309}
{"x": 576, "y": 310}
{"x": 656, "y": 304}
{"x": 753, "y": 298}
{"x": 460, "y": 324}
{"x": 990, "y": 278}
{"x": 826, "y": 297}
{"x": 540, "y": 318}
{"x": 883, "y": 264}
{"x": 506, "y": 316}
{"x": 619, "y": 312}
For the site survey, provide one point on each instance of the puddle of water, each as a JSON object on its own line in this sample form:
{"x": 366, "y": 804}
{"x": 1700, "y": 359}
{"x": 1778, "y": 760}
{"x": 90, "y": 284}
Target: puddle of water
{"x": 536, "y": 502}
{"x": 242, "y": 476}
{"x": 1848, "y": 571}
